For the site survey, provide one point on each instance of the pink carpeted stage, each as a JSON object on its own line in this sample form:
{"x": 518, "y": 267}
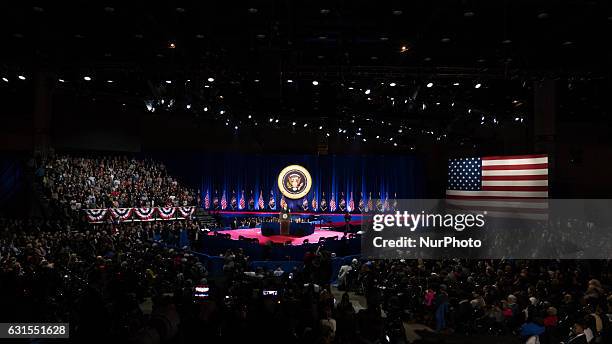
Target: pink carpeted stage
{"x": 255, "y": 233}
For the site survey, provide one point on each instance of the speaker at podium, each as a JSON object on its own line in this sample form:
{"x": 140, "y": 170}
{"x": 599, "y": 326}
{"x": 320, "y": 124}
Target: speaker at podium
{"x": 285, "y": 221}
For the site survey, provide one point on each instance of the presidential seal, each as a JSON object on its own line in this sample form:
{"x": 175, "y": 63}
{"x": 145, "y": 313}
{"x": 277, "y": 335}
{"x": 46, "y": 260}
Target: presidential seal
{"x": 294, "y": 182}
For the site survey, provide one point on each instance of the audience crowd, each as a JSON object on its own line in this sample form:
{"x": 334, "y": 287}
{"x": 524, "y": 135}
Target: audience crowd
{"x": 139, "y": 282}
{"x": 111, "y": 182}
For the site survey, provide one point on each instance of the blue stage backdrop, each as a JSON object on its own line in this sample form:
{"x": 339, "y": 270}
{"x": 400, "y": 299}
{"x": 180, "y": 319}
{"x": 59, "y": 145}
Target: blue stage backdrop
{"x": 337, "y": 175}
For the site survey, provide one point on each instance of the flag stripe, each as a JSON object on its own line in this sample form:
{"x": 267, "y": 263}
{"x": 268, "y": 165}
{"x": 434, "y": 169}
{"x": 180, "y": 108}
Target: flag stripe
{"x": 532, "y": 156}
{"x": 514, "y": 161}
{"x": 514, "y": 167}
{"x": 541, "y": 194}
{"x": 522, "y": 204}
{"x": 514, "y": 188}
{"x": 523, "y": 177}
{"x": 515, "y": 172}
{"x": 514, "y": 183}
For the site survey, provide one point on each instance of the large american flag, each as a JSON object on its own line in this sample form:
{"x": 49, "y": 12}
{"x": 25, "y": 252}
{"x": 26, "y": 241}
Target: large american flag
{"x": 503, "y": 186}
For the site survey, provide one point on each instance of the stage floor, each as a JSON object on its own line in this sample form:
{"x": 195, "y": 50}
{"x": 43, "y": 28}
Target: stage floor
{"x": 255, "y": 233}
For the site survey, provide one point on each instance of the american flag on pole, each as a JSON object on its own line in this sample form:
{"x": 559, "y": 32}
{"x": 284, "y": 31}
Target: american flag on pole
{"x": 351, "y": 204}
{"x": 242, "y": 202}
{"x": 223, "y": 201}
{"x": 207, "y": 201}
{"x": 503, "y": 186}
{"x": 260, "y": 203}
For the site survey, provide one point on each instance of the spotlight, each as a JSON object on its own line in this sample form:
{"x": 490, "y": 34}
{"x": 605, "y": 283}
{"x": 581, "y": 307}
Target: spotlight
{"x": 21, "y": 77}
{"x": 61, "y": 80}
{"x": 394, "y": 144}
{"x": 4, "y": 79}
{"x": 392, "y": 84}
{"x": 305, "y": 125}
{"x": 456, "y": 84}
{"x": 320, "y": 127}
{"x": 364, "y": 140}
{"x": 293, "y": 123}
{"x": 168, "y": 81}
{"x": 188, "y": 106}
{"x": 477, "y": 85}
{"x": 404, "y": 49}
{"x": 430, "y": 85}
{"x": 211, "y": 79}
{"x": 171, "y": 45}
{"x": 250, "y": 116}
{"x": 377, "y": 136}
{"x": 221, "y": 112}
{"x": 367, "y": 91}
{"x": 289, "y": 81}
{"x": 327, "y": 134}
{"x": 236, "y": 127}
{"x": 315, "y": 82}
{"x": 109, "y": 81}
{"x": 276, "y": 121}
{"x": 87, "y": 78}
{"x": 206, "y": 109}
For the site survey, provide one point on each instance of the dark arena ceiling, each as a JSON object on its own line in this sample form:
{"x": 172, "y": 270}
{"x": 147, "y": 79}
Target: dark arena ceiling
{"x": 444, "y": 71}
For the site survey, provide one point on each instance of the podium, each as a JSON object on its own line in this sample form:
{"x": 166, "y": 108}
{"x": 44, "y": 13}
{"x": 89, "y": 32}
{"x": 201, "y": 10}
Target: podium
{"x": 284, "y": 220}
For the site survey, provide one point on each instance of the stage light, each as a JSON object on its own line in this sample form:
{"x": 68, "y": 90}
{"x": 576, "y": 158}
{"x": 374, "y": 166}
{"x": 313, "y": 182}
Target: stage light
{"x": 327, "y": 134}
{"x": 351, "y": 87}
{"x": 392, "y": 84}
{"x": 109, "y": 81}
{"x": 211, "y": 79}
{"x": 5, "y": 79}
{"x": 256, "y": 80}
{"x": 206, "y": 109}
{"x": 430, "y": 85}
{"x": 456, "y": 84}
{"x": 404, "y": 49}
{"x": 221, "y": 112}
{"x": 315, "y": 82}
{"x": 437, "y": 103}
{"x": 399, "y": 130}
{"x": 395, "y": 144}
{"x": 516, "y": 119}
{"x": 358, "y": 134}
{"x": 168, "y": 81}
{"x": 250, "y": 116}
{"x": 367, "y": 91}
{"x": 188, "y": 106}
{"x": 293, "y": 123}
{"x": 235, "y": 127}
{"x": 21, "y": 77}
{"x": 364, "y": 139}
{"x": 305, "y": 125}
{"x": 206, "y": 86}
{"x": 171, "y": 45}
{"x": 377, "y": 136}
{"x": 61, "y": 80}
{"x": 391, "y": 139}
{"x": 477, "y": 85}
{"x": 320, "y": 127}
{"x": 87, "y": 78}
{"x": 276, "y": 121}
{"x": 252, "y": 10}
{"x": 289, "y": 81}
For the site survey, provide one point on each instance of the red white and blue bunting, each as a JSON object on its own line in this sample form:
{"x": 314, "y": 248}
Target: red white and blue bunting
{"x": 139, "y": 214}
{"x": 166, "y": 212}
{"x": 186, "y": 211}
{"x": 144, "y": 213}
{"x": 121, "y": 213}
{"x": 95, "y": 215}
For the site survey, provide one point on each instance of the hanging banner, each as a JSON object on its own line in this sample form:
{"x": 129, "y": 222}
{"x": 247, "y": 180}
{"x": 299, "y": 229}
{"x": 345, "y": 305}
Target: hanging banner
{"x": 121, "y": 213}
{"x": 166, "y": 212}
{"x": 95, "y": 215}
